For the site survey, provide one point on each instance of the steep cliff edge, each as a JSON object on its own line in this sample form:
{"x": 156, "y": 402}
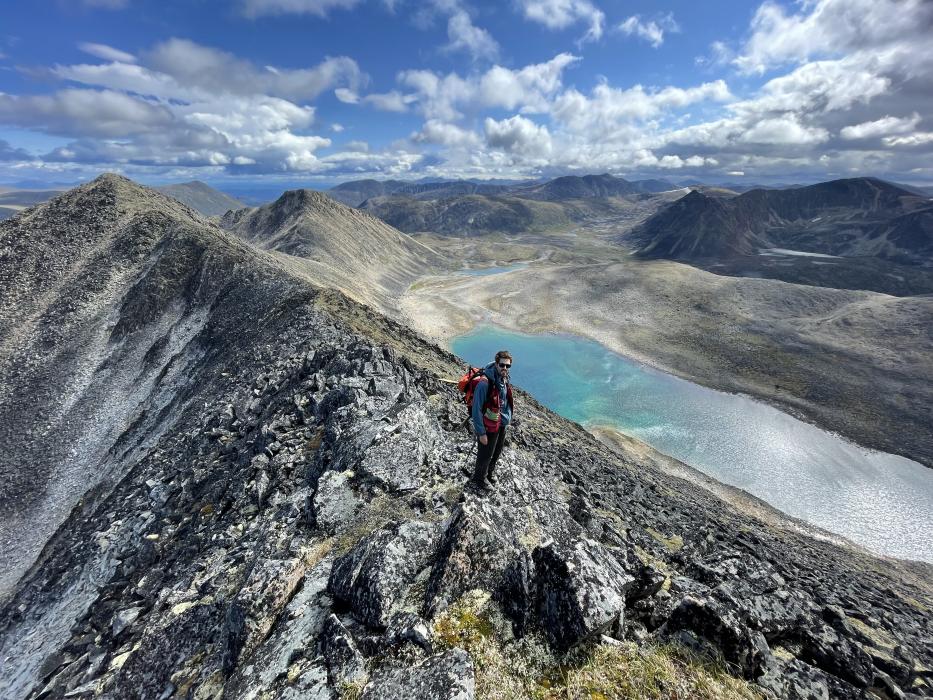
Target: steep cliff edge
{"x": 296, "y": 525}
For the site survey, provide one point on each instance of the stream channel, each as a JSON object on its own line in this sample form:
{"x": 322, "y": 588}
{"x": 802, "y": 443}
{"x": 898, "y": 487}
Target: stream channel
{"x": 881, "y": 501}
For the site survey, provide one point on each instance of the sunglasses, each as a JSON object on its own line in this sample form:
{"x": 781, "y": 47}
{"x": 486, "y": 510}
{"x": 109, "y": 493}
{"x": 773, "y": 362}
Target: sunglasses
{"x": 503, "y": 365}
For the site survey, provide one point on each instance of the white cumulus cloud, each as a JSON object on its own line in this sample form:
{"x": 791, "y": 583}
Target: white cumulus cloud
{"x": 465, "y": 36}
{"x": 527, "y": 89}
{"x": 108, "y": 53}
{"x": 187, "y": 104}
{"x": 832, "y": 28}
{"x": 560, "y": 14}
{"x": 880, "y": 127}
{"x": 651, "y": 31}
{"x": 320, "y": 8}
{"x": 437, "y": 132}
{"x": 518, "y": 135}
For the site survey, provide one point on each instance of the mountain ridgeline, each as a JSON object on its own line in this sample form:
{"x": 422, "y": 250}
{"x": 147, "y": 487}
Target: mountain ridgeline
{"x": 470, "y": 208}
{"x": 221, "y": 480}
{"x": 880, "y": 236}
{"x": 355, "y": 192}
{"x": 195, "y": 194}
{"x": 201, "y": 197}
{"x": 335, "y": 245}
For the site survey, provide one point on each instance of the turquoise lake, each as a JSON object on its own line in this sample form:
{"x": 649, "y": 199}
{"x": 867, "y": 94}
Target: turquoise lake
{"x": 883, "y": 502}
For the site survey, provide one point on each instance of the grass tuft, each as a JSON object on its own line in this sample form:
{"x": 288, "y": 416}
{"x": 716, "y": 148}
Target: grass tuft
{"x": 508, "y": 668}
{"x": 351, "y": 690}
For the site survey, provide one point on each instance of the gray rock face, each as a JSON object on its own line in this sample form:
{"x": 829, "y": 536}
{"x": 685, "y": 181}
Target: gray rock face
{"x": 296, "y": 631}
{"x": 477, "y": 547}
{"x": 795, "y": 681}
{"x": 345, "y": 664}
{"x": 335, "y": 503}
{"x": 268, "y": 589}
{"x": 447, "y": 676}
{"x": 581, "y": 591}
{"x": 374, "y": 577}
{"x": 721, "y": 625}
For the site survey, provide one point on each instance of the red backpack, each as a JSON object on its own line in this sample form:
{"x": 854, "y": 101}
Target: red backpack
{"x": 467, "y": 384}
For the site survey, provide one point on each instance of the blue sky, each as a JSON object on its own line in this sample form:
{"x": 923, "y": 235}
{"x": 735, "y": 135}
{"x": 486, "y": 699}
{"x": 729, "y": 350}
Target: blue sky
{"x": 321, "y": 91}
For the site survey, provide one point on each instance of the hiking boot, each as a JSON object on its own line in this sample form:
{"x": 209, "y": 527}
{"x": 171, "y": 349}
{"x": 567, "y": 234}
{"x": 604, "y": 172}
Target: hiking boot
{"x": 493, "y": 480}
{"x": 481, "y": 485}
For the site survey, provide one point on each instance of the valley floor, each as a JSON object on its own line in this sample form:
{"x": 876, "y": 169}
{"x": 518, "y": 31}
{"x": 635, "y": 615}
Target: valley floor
{"x": 854, "y": 362}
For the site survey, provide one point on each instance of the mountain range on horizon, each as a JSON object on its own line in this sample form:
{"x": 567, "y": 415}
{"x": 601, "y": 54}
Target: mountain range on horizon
{"x": 862, "y": 224}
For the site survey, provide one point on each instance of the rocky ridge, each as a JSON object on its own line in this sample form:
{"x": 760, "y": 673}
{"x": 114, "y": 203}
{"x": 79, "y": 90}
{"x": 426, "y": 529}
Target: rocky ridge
{"x": 298, "y": 527}
{"x": 335, "y": 246}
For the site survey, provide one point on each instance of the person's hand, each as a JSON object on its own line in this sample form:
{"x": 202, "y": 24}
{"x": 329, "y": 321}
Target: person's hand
{"x": 483, "y": 440}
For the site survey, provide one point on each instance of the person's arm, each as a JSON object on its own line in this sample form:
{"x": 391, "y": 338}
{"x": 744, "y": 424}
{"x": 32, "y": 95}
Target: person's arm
{"x": 479, "y": 399}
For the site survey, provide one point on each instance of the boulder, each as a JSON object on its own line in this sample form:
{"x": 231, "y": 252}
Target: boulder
{"x": 374, "y": 577}
{"x": 477, "y": 546}
{"x": 396, "y": 459}
{"x": 335, "y": 502}
{"x": 447, "y": 676}
{"x": 300, "y": 625}
{"x": 825, "y": 648}
{"x": 722, "y": 626}
{"x": 581, "y": 591}
{"x": 267, "y": 591}
{"x": 345, "y": 664}
{"x": 794, "y": 680}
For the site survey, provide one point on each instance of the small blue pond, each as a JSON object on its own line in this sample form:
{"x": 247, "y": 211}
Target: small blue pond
{"x": 881, "y": 501}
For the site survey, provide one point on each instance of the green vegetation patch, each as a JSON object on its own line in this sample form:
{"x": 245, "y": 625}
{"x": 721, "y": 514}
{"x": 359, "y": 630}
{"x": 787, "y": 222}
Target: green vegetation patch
{"x": 674, "y": 543}
{"x": 351, "y": 691}
{"x": 509, "y": 668}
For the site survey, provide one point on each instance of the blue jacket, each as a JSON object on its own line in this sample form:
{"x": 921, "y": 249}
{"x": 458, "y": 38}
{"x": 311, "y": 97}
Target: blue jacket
{"x": 479, "y": 398}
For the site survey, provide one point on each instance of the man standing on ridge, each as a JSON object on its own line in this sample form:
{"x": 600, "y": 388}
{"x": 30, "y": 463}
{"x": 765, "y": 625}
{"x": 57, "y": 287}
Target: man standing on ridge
{"x": 491, "y": 413}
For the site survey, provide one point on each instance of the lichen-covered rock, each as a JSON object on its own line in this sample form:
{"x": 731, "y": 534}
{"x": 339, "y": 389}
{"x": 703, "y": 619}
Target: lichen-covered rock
{"x": 373, "y": 578}
{"x": 447, "y": 676}
{"x": 312, "y": 684}
{"x": 294, "y": 636}
{"x": 478, "y": 544}
{"x": 581, "y": 591}
{"x": 723, "y": 628}
{"x": 335, "y": 502}
{"x": 397, "y": 457}
{"x": 184, "y": 650}
{"x": 794, "y": 680}
{"x": 345, "y": 664}
{"x": 268, "y": 589}
{"x": 823, "y": 647}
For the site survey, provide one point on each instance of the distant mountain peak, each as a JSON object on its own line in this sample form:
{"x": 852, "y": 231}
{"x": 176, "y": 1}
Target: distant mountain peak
{"x": 861, "y": 217}
{"x": 201, "y": 197}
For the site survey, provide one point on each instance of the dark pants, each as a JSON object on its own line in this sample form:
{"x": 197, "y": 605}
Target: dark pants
{"x": 487, "y": 455}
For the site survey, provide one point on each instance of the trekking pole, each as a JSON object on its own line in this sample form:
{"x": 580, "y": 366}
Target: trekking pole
{"x": 466, "y": 466}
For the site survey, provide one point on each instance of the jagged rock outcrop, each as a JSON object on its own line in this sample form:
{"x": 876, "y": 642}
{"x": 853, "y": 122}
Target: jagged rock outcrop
{"x": 298, "y": 525}
{"x": 581, "y": 592}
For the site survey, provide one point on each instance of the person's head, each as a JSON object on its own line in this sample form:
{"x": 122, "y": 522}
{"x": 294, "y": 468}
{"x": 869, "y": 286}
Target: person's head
{"x": 504, "y": 361}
